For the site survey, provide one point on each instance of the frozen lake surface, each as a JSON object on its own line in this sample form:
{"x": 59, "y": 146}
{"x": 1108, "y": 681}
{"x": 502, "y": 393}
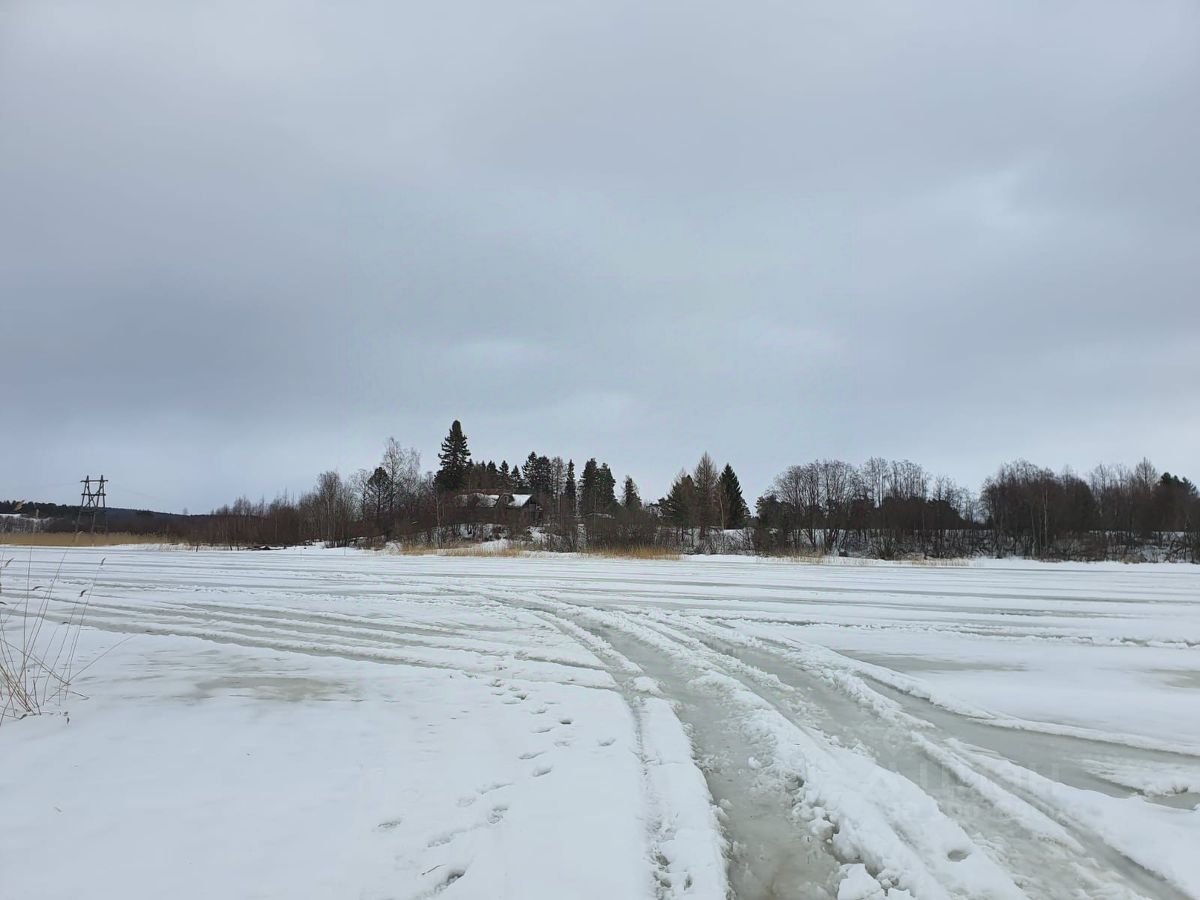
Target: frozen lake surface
{"x": 327, "y": 724}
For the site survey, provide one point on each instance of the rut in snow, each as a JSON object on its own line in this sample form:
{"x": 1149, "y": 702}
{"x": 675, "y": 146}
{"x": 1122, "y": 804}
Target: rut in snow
{"x": 777, "y": 850}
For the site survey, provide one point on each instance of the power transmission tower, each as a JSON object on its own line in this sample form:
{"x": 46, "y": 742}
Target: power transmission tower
{"x": 93, "y": 498}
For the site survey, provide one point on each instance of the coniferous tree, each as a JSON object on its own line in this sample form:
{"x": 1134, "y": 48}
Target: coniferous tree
{"x": 505, "y": 477}
{"x": 569, "y": 491}
{"x": 630, "y": 498}
{"x": 455, "y": 459}
{"x": 588, "y": 488}
{"x": 679, "y": 506}
{"x": 606, "y": 489}
{"x": 733, "y": 504}
{"x": 538, "y": 475}
{"x": 544, "y": 476}
{"x": 377, "y": 495}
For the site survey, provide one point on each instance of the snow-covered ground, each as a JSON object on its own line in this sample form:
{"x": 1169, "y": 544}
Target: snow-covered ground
{"x": 327, "y": 724}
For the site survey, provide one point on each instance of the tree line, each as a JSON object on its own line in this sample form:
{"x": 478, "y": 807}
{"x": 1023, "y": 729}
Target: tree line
{"x": 882, "y": 508}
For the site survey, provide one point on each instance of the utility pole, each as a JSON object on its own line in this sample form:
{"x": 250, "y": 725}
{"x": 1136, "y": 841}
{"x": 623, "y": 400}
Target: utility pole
{"x": 93, "y": 497}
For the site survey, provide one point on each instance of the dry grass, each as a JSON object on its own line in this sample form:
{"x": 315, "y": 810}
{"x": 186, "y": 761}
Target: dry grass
{"x": 477, "y": 550}
{"x": 646, "y": 551}
{"x": 518, "y": 550}
{"x": 804, "y": 555}
{"x": 457, "y": 549}
{"x": 65, "y": 539}
{"x": 937, "y": 563}
{"x": 39, "y": 637}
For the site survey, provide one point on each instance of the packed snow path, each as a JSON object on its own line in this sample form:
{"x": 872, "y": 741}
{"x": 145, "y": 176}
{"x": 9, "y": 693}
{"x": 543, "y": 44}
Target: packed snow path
{"x": 319, "y": 723}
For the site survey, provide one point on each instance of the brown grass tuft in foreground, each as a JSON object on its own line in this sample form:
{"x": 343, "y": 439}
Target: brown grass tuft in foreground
{"x": 65, "y": 539}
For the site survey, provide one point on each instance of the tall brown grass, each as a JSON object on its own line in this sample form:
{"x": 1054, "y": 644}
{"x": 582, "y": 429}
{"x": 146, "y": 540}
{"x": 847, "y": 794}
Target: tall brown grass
{"x": 65, "y": 539}
{"x": 641, "y": 551}
{"x": 458, "y": 549}
{"x": 509, "y": 551}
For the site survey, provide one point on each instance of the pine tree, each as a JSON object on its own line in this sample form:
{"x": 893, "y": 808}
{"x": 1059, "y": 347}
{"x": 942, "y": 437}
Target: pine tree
{"x": 733, "y": 504}
{"x": 455, "y": 459}
{"x": 505, "y": 478}
{"x": 377, "y": 495}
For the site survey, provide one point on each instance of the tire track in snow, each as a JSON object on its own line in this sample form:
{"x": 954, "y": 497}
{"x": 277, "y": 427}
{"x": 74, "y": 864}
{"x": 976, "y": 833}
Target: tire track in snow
{"x": 1043, "y": 855}
{"x": 1049, "y": 854}
{"x": 686, "y": 845}
{"x": 769, "y": 855}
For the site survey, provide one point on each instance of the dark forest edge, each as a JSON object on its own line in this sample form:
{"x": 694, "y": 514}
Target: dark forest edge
{"x": 881, "y": 509}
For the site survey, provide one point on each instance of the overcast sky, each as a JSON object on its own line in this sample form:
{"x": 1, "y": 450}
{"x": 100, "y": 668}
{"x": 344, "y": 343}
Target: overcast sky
{"x": 243, "y": 242}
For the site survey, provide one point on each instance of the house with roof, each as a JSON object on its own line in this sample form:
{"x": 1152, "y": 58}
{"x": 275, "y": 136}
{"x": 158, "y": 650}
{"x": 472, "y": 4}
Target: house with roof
{"x": 516, "y": 510}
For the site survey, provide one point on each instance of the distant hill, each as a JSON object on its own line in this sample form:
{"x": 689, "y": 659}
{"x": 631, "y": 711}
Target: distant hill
{"x": 60, "y": 517}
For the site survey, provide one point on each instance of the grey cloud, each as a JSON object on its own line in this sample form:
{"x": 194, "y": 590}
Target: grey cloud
{"x": 246, "y": 242}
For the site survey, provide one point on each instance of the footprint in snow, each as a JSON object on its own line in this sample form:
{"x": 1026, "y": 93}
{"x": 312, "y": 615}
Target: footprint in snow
{"x": 542, "y": 770}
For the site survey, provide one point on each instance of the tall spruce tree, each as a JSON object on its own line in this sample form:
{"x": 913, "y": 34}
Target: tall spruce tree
{"x": 538, "y": 475}
{"x": 733, "y": 504}
{"x": 679, "y": 506}
{"x": 606, "y": 487}
{"x": 455, "y": 459}
{"x": 630, "y": 498}
{"x": 588, "y": 488}
{"x": 570, "y": 491}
